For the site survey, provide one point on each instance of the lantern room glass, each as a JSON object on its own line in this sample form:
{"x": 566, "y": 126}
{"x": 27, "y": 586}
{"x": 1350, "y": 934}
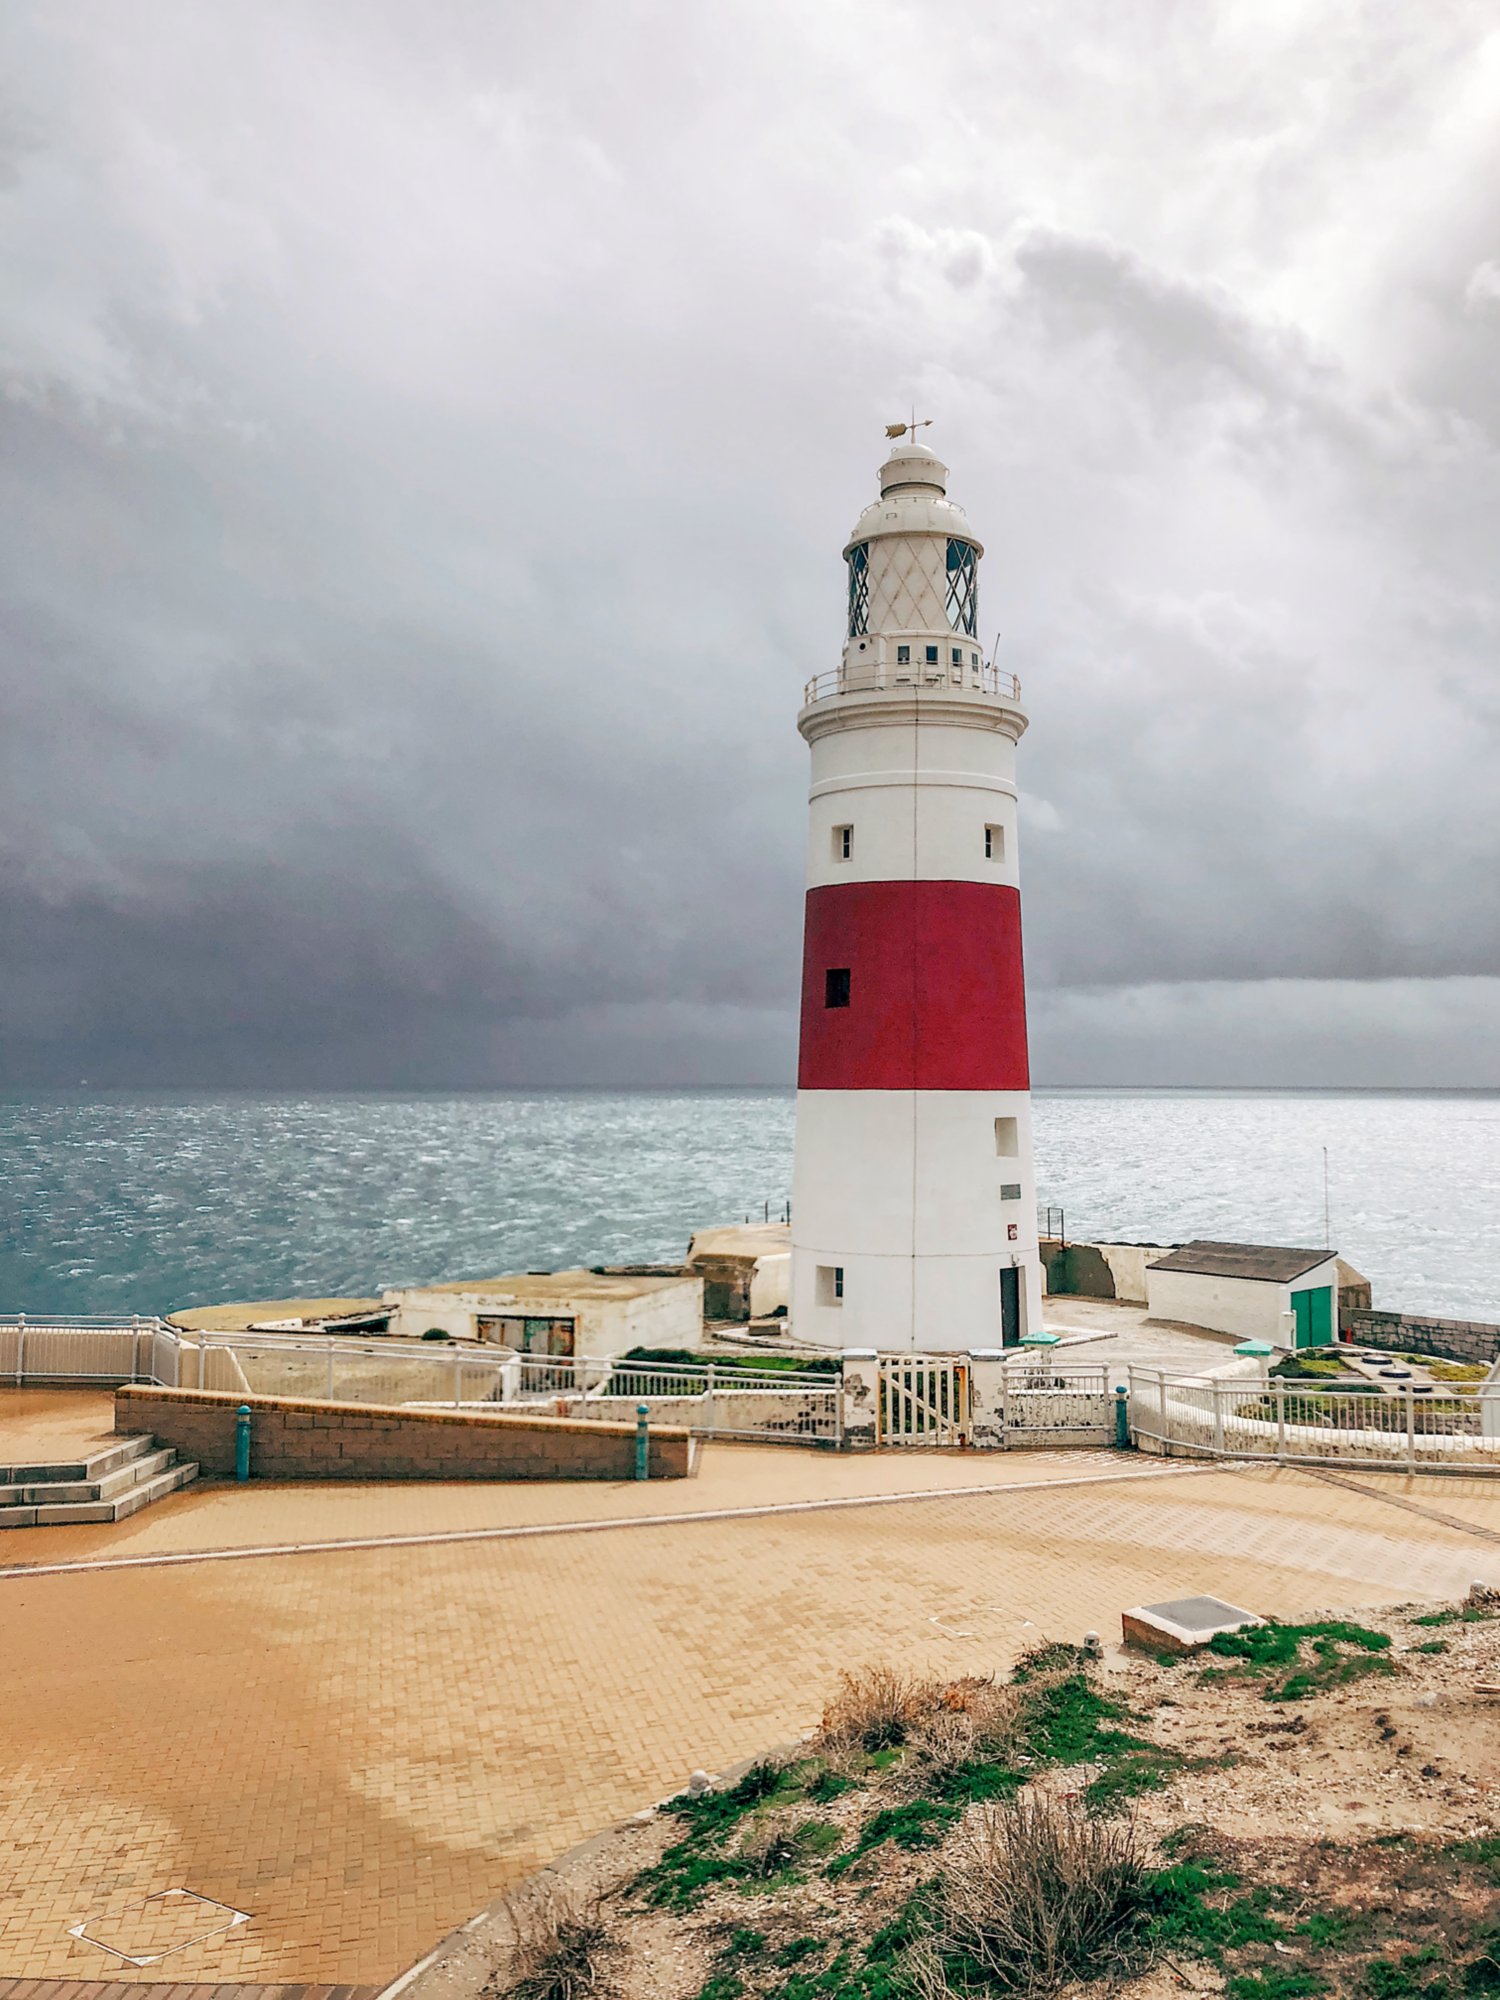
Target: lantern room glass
{"x": 963, "y": 587}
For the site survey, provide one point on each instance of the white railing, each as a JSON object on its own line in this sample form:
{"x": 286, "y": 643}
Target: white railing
{"x": 1456, "y": 1428}
{"x": 1058, "y": 1396}
{"x": 714, "y": 1400}
{"x": 36, "y": 1348}
{"x": 876, "y": 679}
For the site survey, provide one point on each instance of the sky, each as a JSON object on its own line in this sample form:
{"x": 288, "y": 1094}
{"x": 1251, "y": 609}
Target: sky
{"x": 427, "y": 439}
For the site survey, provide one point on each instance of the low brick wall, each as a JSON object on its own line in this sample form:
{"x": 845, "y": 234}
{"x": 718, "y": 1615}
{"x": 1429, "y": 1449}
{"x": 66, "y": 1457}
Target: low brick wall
{"x": 292, "y": 1439}
{"x": 1457, "y": 1339}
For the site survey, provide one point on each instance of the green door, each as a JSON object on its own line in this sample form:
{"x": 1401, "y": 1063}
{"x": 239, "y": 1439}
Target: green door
{"x": 1313, "y": 1312}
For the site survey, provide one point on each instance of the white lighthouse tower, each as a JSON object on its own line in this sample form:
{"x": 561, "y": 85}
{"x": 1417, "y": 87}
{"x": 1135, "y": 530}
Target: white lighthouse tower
{"x": 913, "y": 1202}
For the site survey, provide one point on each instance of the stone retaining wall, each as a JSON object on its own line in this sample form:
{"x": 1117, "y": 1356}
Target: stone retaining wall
{"x": 1457, "y": 1339}
{"x": 291, "y": 1439}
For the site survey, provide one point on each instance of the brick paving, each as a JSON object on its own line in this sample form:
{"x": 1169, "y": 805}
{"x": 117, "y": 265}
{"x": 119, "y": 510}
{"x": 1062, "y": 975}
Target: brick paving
{"x": 54, "y": 1426}
{"x": 363, "y": 1747}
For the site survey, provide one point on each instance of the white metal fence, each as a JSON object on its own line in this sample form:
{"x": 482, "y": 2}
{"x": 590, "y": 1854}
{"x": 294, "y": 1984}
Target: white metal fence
{"x": 716, "y": 1401}
{"x": 1455, "y": 1428}
{"x": 1057, "y": 1402}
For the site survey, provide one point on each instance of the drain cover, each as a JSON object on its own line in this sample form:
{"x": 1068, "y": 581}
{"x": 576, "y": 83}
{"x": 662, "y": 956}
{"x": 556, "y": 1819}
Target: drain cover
{"x": 170, "y": 1920}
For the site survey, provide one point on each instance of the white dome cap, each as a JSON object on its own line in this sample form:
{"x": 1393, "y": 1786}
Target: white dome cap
{"x": 913, "y": 501}
{"x": 913, "y": 465}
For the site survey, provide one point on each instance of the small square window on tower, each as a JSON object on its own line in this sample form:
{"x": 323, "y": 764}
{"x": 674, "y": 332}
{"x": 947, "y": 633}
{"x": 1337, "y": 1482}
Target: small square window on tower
{"x": 843, "y": 843}
{"x": 836, "y": 986}
{"x": 903, "y": 656}
{"x": 932, "y": 656}
{"x": 958, "y": 656}
{"x": 994, "y": 843}
{"x": 830, "y": 1285}
{"x": 1007, "y": 1139}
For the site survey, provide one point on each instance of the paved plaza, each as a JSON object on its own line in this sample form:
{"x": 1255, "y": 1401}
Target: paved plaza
{"x": 361, "y": 1744}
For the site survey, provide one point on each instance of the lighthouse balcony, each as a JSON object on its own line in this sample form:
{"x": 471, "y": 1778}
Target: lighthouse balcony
{"x": 881, "y": 677}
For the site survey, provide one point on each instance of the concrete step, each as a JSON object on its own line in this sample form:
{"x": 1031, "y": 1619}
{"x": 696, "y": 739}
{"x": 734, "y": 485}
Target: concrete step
{"x": 118, "y": 1506}
{"x": 109, "y": 1487}
{"x": 98, "y": 1465}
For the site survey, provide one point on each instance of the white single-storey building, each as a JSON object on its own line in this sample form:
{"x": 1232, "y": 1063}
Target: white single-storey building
{"x": 557, "y": 1312}
{"x": 1289, "y": 1297}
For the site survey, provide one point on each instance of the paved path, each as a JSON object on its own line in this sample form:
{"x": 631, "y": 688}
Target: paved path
{"x": 54, "y": 1426}
{"x": 363, "y": 1747}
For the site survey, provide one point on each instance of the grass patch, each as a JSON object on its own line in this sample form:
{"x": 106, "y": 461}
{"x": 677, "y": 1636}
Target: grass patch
{"x": 1455, "y": 1614}
{"x": 1431, "y": 1646}
{"x": 1274, "y": 1983}
{"x": 758, "y": 1364}
{"x": 917, "y": 1824}
{"x": 1340, "y": 1652}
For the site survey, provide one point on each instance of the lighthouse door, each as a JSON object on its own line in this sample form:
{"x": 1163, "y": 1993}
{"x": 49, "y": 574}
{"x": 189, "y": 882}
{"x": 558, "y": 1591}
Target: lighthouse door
{"x": 1010, "y": 1306}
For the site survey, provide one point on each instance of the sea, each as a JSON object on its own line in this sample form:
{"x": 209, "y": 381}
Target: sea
{"x": 123, "y": 1203}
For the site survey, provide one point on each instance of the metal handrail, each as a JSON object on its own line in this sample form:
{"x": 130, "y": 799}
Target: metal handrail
{"x": 876, "y": 679}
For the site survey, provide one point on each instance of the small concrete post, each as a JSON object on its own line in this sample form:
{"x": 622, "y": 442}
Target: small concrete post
{"x": 20, "y": 1349}
{"x": 1280, "y": 1418}
{"x": 860, "y": 1396}
{"x": 1122, "y": 1417}
{"x": 642, "y": 1441}
{"x": 242, "y": 1442}
{"x": 330, "y": 1371}
{"x": 709, "y": 1394}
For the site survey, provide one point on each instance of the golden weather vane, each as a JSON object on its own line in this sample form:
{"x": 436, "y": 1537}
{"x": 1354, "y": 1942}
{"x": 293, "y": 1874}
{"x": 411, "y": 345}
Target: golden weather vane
{"x": 900, "y": 430}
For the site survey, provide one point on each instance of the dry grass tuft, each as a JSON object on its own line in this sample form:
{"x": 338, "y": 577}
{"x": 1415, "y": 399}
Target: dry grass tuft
{"x": 957, "y": 1723}
{"x": 945, "y": 1721}
{"x": 1035, "y": 1895}
{"x": 561, "y": 1950}
{"x": 870, "y": 1711}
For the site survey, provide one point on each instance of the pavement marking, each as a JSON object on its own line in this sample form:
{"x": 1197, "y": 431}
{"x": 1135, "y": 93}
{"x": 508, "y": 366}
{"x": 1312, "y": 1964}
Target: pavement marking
{"x": 1400, "y": 1500}
{"x": 168, "y": 1559}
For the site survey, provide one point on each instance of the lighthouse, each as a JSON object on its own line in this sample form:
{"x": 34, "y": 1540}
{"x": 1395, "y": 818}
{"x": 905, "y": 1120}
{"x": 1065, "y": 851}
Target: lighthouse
{"x": 913, "y": 1200}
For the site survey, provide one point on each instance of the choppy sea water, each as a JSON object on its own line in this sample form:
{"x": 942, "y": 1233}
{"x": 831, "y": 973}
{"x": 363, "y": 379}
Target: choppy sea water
{"x": 142, "y": 1203}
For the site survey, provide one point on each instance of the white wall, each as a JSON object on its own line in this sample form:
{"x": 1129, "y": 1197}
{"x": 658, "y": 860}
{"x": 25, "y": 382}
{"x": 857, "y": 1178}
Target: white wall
{"x": 770, "y": 1283}
{"x": 1249, "y": 1308}
{"x": 902, "y": 1189}
{"x": 1127, "y": 1266}
{"x": 918, "y": 795}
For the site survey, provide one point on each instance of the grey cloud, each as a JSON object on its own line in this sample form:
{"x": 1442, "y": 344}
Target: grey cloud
{"x": 427, "y": 449}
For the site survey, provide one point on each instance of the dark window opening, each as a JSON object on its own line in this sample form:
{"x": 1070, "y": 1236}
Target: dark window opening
{"x": 836, "y": 986}
{"x": 932, "y": 656}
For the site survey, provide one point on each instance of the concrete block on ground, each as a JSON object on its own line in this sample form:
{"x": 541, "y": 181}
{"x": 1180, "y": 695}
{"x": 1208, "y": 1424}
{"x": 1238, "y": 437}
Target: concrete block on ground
{"x": 1183, "y": 1624}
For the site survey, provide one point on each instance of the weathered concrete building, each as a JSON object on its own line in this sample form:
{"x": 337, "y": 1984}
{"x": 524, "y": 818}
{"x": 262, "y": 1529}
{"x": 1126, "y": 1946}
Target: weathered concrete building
{"x": 557, "y": 1312}
{"x": 743, "y": 1268}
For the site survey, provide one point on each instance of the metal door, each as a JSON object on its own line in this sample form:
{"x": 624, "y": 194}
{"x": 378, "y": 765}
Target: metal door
{"x": 1010, "y": 1306}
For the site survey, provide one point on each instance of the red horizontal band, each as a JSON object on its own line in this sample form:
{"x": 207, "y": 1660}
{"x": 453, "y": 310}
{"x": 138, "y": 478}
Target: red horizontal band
{"x": 937, "y": 997}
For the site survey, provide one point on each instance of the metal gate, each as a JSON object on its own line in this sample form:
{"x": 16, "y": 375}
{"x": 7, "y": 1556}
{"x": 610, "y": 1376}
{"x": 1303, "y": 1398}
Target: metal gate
{"x": 924, "y": 1400}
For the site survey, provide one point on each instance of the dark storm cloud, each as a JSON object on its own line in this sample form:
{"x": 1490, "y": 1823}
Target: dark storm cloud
{"x": 427, "y": 443}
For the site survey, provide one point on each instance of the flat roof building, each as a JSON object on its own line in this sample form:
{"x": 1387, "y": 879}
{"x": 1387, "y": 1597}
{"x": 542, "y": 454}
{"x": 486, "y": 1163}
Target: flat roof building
{"x": 557, "y": 1312}
{"x": 1255, "y": 1291}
